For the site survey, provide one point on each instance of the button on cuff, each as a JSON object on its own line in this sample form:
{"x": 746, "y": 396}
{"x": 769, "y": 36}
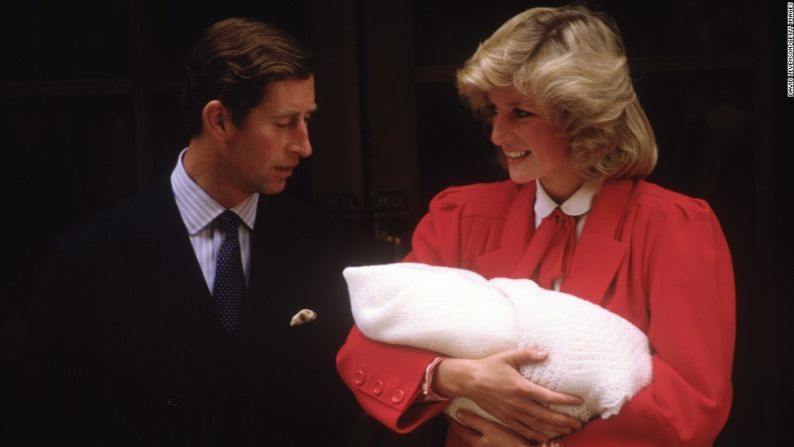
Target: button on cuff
{"x": 358, "y": 377}
{"x": 397, "y": 396}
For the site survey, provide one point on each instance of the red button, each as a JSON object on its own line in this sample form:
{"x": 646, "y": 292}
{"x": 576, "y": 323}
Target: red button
{"x": 358, "y": 378}
{"x": 378, "y": 387}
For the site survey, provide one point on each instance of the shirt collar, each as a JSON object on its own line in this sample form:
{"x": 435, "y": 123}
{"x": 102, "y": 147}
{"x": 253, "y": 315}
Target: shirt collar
{"x": 197, "y": 208}
{"x": 578, "y": 204}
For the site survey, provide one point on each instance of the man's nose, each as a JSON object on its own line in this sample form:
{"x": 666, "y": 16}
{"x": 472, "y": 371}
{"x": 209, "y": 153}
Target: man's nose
{"x": 301, "y": 144}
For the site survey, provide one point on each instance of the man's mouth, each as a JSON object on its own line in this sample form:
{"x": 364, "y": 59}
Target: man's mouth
{"x": 285, "y": 171}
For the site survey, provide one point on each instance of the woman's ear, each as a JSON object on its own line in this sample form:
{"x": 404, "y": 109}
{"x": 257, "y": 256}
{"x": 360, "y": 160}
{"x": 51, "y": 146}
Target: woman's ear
{"x": 216, "y": 119}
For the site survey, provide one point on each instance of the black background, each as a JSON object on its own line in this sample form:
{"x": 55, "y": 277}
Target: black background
{"x": 79, "y": 78}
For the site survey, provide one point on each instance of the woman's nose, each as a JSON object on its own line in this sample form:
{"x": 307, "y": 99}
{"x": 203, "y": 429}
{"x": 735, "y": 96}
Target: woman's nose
{"x": 499, "y": 131}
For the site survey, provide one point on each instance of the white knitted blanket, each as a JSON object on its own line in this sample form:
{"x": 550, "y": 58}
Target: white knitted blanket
{"x": 592, "y": 352}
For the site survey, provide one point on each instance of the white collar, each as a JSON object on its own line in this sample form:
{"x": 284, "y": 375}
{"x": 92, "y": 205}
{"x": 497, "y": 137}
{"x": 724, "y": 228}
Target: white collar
{"x": 578, "y": 204}
{"x": 197, "y": 208}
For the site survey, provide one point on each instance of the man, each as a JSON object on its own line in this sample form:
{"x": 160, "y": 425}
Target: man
{"x": 184, "y": 317}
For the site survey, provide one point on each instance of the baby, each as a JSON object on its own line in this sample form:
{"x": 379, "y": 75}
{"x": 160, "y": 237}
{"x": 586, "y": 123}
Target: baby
{"x": 592, "y": 352}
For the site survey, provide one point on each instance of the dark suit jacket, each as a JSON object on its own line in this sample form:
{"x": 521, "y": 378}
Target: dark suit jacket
{"x": 129, "y": 350}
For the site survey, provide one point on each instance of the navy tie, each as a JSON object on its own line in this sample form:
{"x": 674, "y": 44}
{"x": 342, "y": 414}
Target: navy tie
{"x": 229, "y": 286}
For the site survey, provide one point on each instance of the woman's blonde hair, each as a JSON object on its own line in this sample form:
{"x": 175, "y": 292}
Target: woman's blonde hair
{"x": 572, "y": 61}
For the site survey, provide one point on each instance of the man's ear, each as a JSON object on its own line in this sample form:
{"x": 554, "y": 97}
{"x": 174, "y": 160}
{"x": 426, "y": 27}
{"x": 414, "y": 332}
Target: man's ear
{"x": 216, "y": 119}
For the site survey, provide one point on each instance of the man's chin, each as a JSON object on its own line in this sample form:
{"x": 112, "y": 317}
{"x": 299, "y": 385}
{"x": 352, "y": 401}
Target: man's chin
{"x": 275, "y": 187}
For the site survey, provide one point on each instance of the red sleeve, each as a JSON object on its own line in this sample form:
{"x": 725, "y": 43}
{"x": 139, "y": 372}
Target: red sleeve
{"x": 386, "y": 379}
{"x": 689, "y": 288}
{"x": 436, "y": 239}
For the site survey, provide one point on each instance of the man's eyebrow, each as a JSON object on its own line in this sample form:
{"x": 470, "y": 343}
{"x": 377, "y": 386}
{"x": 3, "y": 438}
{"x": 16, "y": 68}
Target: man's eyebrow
{"x": 291, "y": 112}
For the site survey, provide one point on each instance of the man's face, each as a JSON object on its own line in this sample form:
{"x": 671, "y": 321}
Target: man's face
{"x": 260, "y": 155}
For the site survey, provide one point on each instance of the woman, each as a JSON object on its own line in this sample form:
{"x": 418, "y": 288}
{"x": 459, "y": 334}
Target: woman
{"x": 577, "y": 217}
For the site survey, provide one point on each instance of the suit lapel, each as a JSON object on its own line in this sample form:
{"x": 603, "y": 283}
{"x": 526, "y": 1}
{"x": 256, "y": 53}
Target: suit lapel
{"x": 272, "y": 236}
{"x": 160, "y": 251}
{"x": 517, "y": 233}
{"x": 599, "y": 253}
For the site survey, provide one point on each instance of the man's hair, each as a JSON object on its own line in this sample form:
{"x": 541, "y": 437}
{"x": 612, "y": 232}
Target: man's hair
{"x": 233, "y": 61}
{"x": 572, "y": 61}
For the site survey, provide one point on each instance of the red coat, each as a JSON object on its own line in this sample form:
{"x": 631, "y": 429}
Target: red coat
{"x": 653, "y": 256}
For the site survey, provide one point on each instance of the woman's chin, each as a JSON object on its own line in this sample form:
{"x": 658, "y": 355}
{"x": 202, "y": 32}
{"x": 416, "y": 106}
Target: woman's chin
{"x": 521, "y": 177}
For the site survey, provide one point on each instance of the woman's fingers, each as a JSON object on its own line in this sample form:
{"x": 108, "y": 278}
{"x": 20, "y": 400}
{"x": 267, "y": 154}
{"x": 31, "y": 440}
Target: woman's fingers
{"x": 523, "y": 356}
{"x": 536, "y": 417}
{"x": 480, "y": 432}
{"x": 533, "y": 430}
{"x": 536, "y": 406}
{"x": 550, "y": 397}
{"x": 531, "y": 426}
{"x": 497, "y": 386}
{"x": 469, "y": 436}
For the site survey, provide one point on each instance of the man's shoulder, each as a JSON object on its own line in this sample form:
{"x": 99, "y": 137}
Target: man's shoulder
{"x": 125, "y": 219}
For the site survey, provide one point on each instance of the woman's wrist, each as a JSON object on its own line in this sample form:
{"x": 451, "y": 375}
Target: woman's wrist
{"x": 429, "y": 394}
{"x": 451, "y": 377}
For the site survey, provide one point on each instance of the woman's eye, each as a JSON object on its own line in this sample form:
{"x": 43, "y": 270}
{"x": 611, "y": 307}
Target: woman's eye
{"x": 519, "y": 113}
{"x": 487, "y": 113}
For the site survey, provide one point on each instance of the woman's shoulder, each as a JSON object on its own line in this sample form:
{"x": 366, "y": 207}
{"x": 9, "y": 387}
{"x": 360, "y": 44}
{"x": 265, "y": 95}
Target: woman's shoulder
{"x": 477, "y": 199}
{"x": 668, "y": 204}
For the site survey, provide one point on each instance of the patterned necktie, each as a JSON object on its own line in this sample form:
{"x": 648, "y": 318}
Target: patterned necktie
{"x": 557, "y": 233}
{"x": 229, "y": 286}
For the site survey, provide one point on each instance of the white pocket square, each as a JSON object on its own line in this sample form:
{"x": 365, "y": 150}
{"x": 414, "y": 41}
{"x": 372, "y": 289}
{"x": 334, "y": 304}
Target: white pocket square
{"x": 303, "y": 316}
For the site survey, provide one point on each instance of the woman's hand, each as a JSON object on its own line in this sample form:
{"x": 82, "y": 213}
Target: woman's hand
{"x": 477, "y": 431}
{"x": 495, "y": 384}
{"x": 481, "y": 432}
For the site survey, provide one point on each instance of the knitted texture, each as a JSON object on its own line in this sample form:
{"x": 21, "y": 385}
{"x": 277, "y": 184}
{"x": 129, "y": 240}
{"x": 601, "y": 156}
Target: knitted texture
{"x": 592, "y": 352}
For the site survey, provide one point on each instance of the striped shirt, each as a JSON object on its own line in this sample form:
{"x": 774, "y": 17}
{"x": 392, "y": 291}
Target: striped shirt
{"x": 198, "y": 210}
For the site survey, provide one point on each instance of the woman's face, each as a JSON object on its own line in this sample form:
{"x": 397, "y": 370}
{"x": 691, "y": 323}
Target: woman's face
{"x": 531, "y": 147}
